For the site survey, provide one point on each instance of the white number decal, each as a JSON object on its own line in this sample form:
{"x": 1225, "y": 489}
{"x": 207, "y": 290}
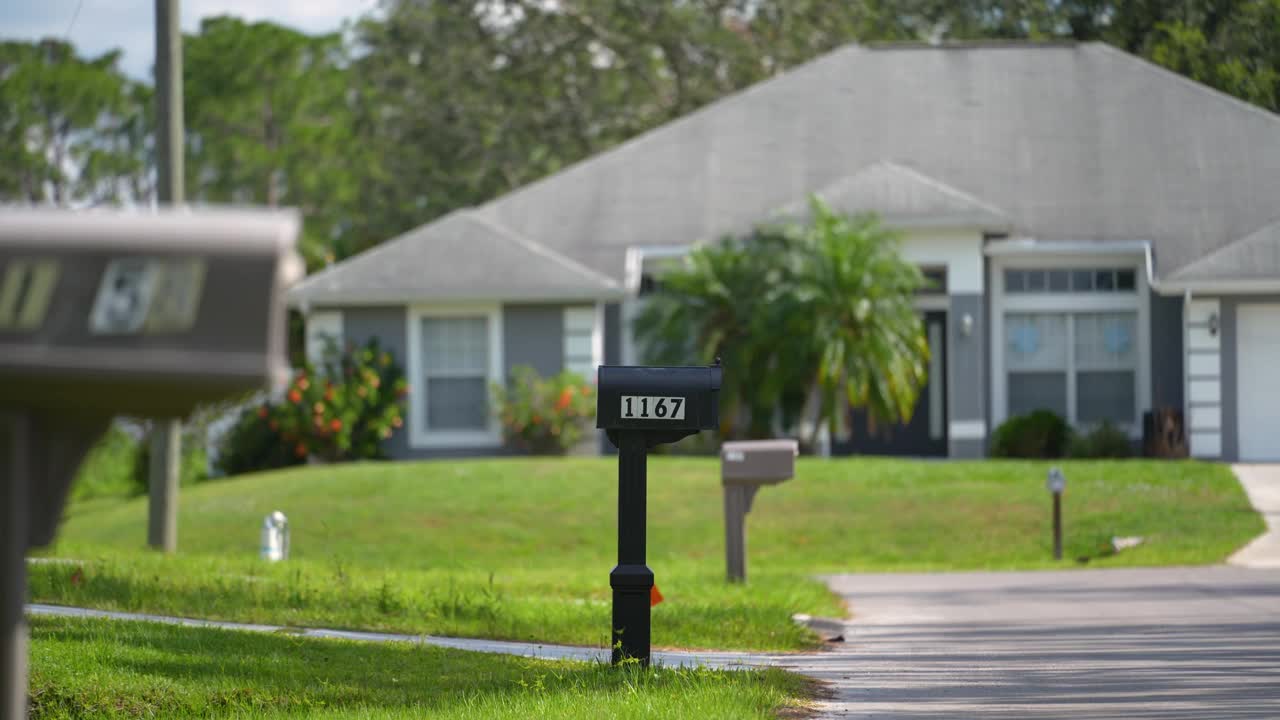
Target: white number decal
{"x": 640, "y": 407}
{"x": 148, "y": 296}
{"x": 25, "y": 291}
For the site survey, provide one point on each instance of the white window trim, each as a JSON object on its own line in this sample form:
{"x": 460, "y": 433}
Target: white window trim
{"x": 322, "y": 322}
{"x": 419, "y": 436}
{"x": 1138, "y": 301}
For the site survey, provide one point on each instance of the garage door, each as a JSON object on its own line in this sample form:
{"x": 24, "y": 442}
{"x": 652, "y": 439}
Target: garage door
{"x": 1258, "y": 380}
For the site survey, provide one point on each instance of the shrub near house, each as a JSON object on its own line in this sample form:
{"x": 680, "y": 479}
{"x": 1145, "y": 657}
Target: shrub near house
{"x": 339, "y": 414}
{"x": 545, "y": 416}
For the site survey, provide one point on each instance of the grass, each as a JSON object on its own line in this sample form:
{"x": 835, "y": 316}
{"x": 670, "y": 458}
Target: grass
{"x": 521, "y": 549}
{"x": 109, "y": 669}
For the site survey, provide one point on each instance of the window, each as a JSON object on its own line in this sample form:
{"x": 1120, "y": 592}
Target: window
{"x": 1083, "y": 280}
{"x": 1106, "y": 360}
{"x": 324, "y": 335}
{"x": 1082, "y": 366}
{"x": 579, "y": 342}
{"x": 455, "y": 370}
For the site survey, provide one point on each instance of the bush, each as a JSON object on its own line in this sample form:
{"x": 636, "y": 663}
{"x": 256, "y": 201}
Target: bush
{"x": 1104, "y": 441}
{"x": 251, "y": 445}
{"x": 341, "y": 413}
{"x": 1042, "y": 434}
{"x": 545, "y": 416}
{"x": 109, "y": 468}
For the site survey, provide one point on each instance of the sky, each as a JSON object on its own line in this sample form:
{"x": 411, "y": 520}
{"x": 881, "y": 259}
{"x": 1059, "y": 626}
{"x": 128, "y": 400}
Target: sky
{"x": 102, "y": 25}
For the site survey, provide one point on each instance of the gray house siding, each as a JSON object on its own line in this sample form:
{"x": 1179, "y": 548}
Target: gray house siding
{"x": 965, "y": 372}
{"x": 533, "y": 335}
{"x": 1166, "y": 352}
{"x": 613, "y": 334}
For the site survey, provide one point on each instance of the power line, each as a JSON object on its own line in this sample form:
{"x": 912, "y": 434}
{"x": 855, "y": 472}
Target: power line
{"x": 74, "y": 17}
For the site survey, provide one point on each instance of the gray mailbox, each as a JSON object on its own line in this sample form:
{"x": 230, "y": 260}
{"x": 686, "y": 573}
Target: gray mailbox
{"x": 745, "y": 466}
{"x": 106, "y": 313}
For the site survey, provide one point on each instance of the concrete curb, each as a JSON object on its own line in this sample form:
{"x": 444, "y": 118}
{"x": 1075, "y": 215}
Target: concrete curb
{"x": 667, "y": 658}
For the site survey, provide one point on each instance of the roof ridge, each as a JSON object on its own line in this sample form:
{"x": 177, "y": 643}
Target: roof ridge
{"x": 1195, "y": 84}
{"x": 374, "y": 251}
{"x": 935, "y": 183}
{"x": 1221, "y": 249}
{"x": 984, "y": 44}
{"x": 688, "y": 117}
{"x": 538, "y": 248}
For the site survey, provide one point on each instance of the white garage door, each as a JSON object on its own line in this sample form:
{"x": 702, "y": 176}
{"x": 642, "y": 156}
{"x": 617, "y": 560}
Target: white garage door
{"x": 1258, "y": 380}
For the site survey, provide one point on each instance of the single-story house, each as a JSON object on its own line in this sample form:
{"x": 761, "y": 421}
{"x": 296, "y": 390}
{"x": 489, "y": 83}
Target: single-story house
{"x": 1105, "y": 235}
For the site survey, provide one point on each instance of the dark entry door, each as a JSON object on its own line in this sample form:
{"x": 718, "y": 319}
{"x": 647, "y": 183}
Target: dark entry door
{"x": 926, "y": 433}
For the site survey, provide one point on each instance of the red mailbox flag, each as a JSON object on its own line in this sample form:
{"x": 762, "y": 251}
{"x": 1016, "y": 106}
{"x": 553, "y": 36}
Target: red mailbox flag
{"x": 655, "y": 597}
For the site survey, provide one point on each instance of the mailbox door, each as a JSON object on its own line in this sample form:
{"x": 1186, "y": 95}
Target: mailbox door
{"x": 658, "y": 398}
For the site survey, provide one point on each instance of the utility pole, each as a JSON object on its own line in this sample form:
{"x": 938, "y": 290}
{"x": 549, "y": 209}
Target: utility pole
{"x": 166, "y": 437}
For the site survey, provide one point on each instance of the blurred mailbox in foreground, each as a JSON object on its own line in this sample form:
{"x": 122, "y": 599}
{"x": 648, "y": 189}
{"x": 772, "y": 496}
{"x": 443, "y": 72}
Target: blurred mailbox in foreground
{"x": 119, "y": 313}
{"x": 744, "y": 467}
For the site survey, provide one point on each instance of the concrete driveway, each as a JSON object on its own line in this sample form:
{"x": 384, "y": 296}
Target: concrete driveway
{"x": 1159, "y": 643}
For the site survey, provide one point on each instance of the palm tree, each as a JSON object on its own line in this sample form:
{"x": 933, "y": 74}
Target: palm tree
{"x": 810, "y": 319}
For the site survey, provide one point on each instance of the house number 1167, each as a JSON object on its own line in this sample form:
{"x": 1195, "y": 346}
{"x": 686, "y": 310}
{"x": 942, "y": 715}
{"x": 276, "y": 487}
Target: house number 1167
{"x": 647, "y": 407}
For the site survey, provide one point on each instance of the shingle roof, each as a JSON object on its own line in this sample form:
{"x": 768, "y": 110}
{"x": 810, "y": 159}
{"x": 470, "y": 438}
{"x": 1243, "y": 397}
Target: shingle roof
{"x": 465, "y": 255}
{"x": 1253, "y": 257}
{"x": 1070, "y": 141}
{"x": 902, "y": 196}
{"x": 1058, "y": 141}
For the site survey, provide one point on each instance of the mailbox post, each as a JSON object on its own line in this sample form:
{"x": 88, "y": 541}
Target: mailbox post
{"x": 745, "y": 466}
{"x": 118, "y": 313}
{"x": 640, "y": 408}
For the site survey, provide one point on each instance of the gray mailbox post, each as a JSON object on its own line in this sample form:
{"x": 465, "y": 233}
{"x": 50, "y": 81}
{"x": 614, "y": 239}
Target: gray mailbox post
{"x": 744, "y": 467}
{"x": 640, "y": 407}
{"x": 106, "y": 313}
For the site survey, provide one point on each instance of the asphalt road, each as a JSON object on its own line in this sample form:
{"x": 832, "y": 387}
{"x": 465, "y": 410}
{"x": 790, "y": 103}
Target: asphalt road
{"x": 1161, "y": 643}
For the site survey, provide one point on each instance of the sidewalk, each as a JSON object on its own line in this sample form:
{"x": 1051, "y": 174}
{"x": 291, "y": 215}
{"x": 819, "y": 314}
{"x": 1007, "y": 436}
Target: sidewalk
{"x": 1262, "y": 484}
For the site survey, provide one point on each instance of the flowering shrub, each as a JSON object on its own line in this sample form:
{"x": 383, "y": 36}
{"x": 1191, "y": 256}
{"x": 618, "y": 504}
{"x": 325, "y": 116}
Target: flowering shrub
{"x": 545, "y": 416}
{"x": 341, "y": 413}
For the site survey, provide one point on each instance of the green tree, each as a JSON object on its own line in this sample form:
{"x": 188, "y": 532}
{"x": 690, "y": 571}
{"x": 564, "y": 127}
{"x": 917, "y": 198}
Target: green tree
{"x": 812, "y": 320}
{"x": 269, "y": 122}
{"x": 70, "y": 127}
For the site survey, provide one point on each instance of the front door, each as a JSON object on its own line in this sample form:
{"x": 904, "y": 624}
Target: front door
{"x": 926, "y": 433}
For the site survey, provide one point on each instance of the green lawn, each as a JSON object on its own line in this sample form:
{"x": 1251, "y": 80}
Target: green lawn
{"x": 111, "y": 669}
{"x": 521, "y": 549}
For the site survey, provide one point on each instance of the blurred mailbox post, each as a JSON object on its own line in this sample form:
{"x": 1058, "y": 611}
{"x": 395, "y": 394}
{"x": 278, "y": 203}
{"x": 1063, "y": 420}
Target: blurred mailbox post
{"x": 640, "y": 408}
{"x": 744, "y": 467}
{"x": 105, "y": 314}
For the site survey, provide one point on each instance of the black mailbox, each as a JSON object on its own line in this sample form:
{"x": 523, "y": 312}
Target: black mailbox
{"x": 640, "y": 407}
{"x": 669, "y": 402}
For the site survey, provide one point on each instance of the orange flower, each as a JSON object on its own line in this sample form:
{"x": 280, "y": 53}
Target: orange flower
{"x": 300, "y": 450}
{"x": 536, "y": 419}
{"x": 318, "y": 408}
{"x": 262, "y": 411}
{"x": 295, "y": 396}
{"x": 566, "y": 397}
{"x": 335, "y": 425}
{"x": 303, "y": 384}
{"x": 328, "y": 394}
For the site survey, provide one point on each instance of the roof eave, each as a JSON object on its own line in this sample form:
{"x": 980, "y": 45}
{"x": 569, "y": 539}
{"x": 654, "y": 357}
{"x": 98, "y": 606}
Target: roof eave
{"x": 376, "y": 298}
